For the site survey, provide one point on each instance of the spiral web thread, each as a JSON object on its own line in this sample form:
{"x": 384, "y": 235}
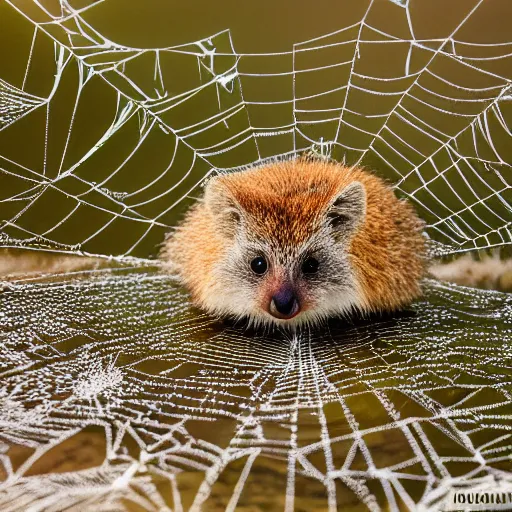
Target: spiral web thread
{"x": 390, "y": 416}
{"x": 442, "y": 142}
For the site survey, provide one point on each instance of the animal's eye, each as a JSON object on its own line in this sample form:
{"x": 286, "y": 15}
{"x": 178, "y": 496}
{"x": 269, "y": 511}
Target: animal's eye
{"x": 310, "y": 266}
{"x": 259, "y": 265}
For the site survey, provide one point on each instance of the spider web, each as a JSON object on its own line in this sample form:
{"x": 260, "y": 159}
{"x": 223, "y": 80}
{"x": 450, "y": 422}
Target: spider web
{"x": 116, "y": 395}
{"x": 435, "y": 121}
{"x": 168, "y": 410}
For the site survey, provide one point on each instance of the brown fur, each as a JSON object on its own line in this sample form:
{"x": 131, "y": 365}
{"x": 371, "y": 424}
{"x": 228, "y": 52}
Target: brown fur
{"x": 286, "y": 202}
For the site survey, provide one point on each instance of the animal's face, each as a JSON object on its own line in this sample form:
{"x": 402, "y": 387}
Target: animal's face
{"x": 284, "y": 263}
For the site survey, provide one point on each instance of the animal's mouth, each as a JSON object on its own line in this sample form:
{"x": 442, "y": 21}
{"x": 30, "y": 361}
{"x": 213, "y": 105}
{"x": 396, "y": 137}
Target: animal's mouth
{"x": 284, "y": 310}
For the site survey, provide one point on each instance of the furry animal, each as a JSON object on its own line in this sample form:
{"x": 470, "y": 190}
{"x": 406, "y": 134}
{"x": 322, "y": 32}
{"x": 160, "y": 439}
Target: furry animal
{"x": 297, "y": 242}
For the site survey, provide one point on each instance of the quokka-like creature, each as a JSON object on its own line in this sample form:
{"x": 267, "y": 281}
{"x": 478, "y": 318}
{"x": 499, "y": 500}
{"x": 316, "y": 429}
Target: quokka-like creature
{"x": 296, "y": 242}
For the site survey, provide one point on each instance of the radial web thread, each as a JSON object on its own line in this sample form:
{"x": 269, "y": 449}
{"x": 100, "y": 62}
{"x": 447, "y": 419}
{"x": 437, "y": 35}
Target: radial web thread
{"x": 116, "y": 395}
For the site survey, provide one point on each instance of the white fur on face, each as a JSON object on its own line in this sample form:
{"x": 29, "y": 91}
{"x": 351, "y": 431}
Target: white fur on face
{"x": 235, "y": 296}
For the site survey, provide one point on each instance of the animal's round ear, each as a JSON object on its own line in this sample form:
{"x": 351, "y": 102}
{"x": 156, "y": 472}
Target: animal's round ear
{"x": 347, "y": 210}
{"x": 221, "y": 203}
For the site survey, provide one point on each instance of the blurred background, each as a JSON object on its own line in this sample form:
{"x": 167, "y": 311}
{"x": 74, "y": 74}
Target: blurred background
{"x": 113, "y": 113}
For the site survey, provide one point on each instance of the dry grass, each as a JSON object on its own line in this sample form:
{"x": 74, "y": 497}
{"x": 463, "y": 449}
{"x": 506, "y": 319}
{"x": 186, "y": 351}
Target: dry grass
{"x": 489, "y": 273}
{"x": 19, "y": 264}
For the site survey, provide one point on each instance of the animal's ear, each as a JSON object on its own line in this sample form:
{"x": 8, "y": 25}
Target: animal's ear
{"x": 221, "y": 203}
{"x": 347, "y": 210}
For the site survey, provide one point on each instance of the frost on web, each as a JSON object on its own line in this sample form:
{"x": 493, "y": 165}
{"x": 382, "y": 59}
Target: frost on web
{"x": 115, "y": 394}
{"x": 116, "y": 378}
{"x": 121, "y": 138}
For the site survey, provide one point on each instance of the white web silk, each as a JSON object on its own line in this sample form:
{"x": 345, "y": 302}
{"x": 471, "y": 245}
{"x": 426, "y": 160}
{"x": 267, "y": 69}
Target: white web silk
{"x": 172, "y": 411}
{"x": 102, "y": 146}
{"x": 440, "y": 139}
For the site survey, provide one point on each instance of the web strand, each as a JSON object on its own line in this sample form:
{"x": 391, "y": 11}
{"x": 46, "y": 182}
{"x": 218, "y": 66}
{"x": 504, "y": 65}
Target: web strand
{"x": 407, "y": 141}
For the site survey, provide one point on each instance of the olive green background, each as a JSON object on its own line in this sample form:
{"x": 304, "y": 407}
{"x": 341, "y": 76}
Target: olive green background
{"x": 123, "y": 197}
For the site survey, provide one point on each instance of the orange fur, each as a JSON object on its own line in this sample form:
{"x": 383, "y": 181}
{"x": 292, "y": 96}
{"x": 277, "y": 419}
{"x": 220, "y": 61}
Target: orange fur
{"x": 388, "y": 251}
{"x": 286, "y": 202}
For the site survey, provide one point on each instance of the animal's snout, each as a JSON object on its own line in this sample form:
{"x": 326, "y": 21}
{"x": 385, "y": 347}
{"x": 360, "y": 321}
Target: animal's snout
{"x": 284, "y": 304}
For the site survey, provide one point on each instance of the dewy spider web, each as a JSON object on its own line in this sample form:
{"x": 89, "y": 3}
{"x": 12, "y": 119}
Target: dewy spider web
{"x": 102, "y": 148}
{"x": 434, "y": 120}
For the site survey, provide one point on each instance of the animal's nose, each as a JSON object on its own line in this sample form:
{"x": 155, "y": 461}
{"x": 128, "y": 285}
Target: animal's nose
{"x": 284, "y": 304}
